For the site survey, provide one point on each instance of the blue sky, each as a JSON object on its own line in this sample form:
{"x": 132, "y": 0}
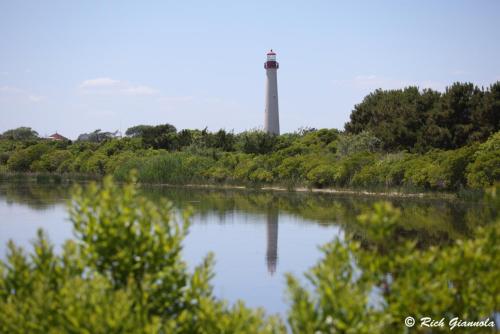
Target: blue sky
{"x": 73, "y": 67}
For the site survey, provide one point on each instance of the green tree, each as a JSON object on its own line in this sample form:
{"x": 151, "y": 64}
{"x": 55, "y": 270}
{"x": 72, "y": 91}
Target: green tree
{"x": 485, "y": 169}
{"x": 160, "y": 137}
{"x": 410, "y": 119}
{"x": 96, "y": 137}
{"x": 258, "y": 142}
{"x": 137, "y": 131}
{"x": 393, "y": 116}
{"x": 21, "y": 133}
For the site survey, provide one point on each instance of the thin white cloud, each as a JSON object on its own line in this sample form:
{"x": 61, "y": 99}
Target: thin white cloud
{"x": 109, "y": 86}
{"x": 11, "y": 92}
{"x": 372, "y": 82}
{"x": 99, "y": 82}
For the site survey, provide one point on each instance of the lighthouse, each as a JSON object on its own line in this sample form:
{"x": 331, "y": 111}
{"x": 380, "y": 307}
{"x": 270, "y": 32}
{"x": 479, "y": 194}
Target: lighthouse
{"x": 272, "y": 117}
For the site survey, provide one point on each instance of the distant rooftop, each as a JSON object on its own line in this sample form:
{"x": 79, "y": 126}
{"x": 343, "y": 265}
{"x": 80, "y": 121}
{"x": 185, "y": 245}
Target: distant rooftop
{"x": 57, "y": 136}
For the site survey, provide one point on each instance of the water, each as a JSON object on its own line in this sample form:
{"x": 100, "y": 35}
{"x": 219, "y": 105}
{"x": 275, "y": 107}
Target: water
{"x": 256, "y": 236}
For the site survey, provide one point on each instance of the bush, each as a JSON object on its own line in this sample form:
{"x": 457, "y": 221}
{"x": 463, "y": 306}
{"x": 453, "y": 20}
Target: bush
{"x": 292, "y": 169}
{"x": 51, "y": 161}
{"x": 260, "y": 175}
{"x": 95, "y": 164}
{"x": 485, "y": 169}
{"x": 322, "y": 175}
{"x": 385, "y": 172}
{"x": 257, "y": 142}
{"x": 4, "y": 157}
{"x": 21, "y": 160}
{"x": 348, "y": 144}
{"x": 450, "y": 169}
{"x": 117, "y": 160}
{"x": 346, "y": 168}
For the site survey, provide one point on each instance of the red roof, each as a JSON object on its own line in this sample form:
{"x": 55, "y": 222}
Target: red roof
{"x": 57, "y": 136}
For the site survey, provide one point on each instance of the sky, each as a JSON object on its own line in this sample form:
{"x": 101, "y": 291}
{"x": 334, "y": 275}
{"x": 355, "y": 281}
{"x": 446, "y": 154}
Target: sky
{"x": 77, "y": 66}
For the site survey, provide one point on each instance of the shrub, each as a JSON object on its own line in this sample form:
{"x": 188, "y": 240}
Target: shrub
{"x": 118, "y": 160}
{"x": 291, "y": 169}
{"x": 95, "y": 164}
{"x": 257, "y": 142}
{"x": 261, "y": 175}
{"x": 4, "y": 157}
{"x": 450, "y": 167}
{"x": 322, "y": 175}
{"x": 21, "y": 160}
{"x": 485, "y": 169}
{"x": 51, "y": 161}
{"x": 346, "y": 168}
{"x": 349, "y": 144}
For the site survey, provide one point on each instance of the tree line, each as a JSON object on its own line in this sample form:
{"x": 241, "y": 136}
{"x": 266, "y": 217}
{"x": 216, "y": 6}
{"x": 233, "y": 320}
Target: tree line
{"x": 408, "y": 139}
{"x": 415, "y": 120}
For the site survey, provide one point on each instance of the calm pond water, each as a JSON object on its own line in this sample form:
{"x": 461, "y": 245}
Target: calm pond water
{"x": 256, "y": 236}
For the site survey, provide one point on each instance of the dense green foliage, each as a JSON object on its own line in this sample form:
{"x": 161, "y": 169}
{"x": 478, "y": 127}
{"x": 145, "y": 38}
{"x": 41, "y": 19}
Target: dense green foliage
{"x": 415, "y": 120}
{"x": 485, "y": 168}
{"x": 399, "y": 139}
{"x": 21, "y": 133}
{"x": 125, "y": 273}
{"x": 312, "y": 158}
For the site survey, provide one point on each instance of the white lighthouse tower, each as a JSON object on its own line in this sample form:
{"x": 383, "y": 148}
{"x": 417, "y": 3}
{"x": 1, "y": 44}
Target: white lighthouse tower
{"x": 272, "y": 117}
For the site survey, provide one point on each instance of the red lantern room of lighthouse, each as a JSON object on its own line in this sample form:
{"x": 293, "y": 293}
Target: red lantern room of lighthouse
{"x": 271, "y": 60}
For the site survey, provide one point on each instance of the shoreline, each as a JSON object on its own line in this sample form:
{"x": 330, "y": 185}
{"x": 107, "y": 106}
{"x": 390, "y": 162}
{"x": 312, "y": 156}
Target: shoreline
{"x": 333, "y": 191}
{"x": 394, "y": 193}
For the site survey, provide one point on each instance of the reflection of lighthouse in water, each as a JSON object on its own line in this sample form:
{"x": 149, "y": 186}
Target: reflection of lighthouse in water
{"x": 272, "y": 240}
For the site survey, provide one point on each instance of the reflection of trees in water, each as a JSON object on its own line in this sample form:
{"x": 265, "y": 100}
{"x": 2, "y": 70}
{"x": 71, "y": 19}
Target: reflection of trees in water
{"x": 37, "y": 196}
{"x": 430, "y": 221}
